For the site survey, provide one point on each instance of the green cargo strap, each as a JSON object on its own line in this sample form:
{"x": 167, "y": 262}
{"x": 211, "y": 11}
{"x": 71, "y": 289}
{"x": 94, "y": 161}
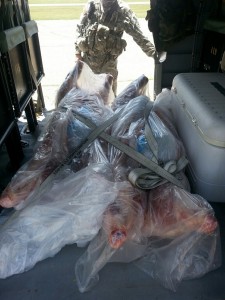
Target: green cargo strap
{"x": 99, "y": 131}
{"x": 92, "y": 136}
{"x": 152, "y": 169}
{"x": 10, "y": 38}
{"x": 147, "y": 179}
{"x": 133, "y": 153}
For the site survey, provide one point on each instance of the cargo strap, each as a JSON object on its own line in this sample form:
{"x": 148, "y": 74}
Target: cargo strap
{"x": 97, "y": 131}
{"x": 152, "y": 167}
{"x": 77, "y": 152}
{"x": 147, "y": 178}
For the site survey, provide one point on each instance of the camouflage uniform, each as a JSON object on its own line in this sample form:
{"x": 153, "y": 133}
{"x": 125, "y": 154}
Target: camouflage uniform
{"x": 99, "y": 36}
{"x": 172, "y": 20}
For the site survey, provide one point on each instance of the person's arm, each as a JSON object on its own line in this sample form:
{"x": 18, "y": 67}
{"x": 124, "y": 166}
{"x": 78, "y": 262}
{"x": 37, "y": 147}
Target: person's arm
{"x": 78, "y": 55}
{"x": 80, "y": 31}
{"x": 132, "y": 27}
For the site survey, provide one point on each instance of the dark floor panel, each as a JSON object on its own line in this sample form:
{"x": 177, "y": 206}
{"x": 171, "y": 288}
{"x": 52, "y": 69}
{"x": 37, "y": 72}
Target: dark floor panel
{"x": 54, "y": 278}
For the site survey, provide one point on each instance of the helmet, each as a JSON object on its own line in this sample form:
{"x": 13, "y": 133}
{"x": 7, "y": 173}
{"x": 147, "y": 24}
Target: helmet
{"x": 109, "y": 5}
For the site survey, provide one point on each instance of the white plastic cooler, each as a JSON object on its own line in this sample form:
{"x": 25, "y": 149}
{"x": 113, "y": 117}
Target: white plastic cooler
{"x": 199, "y": 101}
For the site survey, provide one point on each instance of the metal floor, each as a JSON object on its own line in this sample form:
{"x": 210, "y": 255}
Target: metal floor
{"x": 54, "y": 278}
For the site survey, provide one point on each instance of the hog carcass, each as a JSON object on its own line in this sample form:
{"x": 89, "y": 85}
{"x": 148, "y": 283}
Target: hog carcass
{"x": 170, "y": 234}
{"x": 82, "y": 77}
{"x": 136, "y": 88}
{"x": 69, "y": 209}
{"x": 61, "y": 136}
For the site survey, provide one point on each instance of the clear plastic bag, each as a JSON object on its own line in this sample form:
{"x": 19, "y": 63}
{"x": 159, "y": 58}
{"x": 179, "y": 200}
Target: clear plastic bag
{"x": 82, "y": 77}
{"x": 166, "y": 110}
{"x": 60, "y": 137}
{"x": 136, "y": 88}
{"x": 122, "y": 223}
{"x": 91, "y": 193}
{"x": 68, "y": 210}
{"x": 64, "y": 133}
{"x": 126, "y": 128}
{"x": 170, "y": 148}
{"x": 176, "y": 238}
{"x": 50, "y": 150}
{"x": 184, "y": 237}
{"x": 167, "y": 150}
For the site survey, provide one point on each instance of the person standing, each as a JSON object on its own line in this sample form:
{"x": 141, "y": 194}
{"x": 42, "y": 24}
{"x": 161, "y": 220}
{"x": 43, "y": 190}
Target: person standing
{"x": 99, "y": 34}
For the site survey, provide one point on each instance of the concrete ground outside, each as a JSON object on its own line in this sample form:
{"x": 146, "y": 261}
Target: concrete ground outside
{"x": 57, "y": 49}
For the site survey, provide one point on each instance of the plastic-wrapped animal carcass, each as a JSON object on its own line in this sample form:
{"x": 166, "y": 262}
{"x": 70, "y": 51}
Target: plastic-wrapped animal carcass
{"x": 68, "y": 210}
{"x": 124, "y": 210}
{"x": 82, "y": 77}
{"x": 65, "y": 133}
{"x": 163, "y": 107}
{"x": 61, "y": 136}
{"x": 134, "y": 89}
{"x": 142, "y": 130}
{"x": 171, "y": 235}
{"x": 51, "y": 149}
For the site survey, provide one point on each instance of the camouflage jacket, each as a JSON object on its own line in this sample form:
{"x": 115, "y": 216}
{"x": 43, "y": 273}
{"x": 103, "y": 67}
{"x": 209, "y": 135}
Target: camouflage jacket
{"x": 99, "y": 35}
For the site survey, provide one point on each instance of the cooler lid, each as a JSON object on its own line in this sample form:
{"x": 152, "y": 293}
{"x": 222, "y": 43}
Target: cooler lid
{"x": 202, "y": 97}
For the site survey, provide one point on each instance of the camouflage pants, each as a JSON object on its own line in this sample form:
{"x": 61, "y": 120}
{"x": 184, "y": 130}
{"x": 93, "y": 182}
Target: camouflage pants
{"x": 110, "y": 67}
